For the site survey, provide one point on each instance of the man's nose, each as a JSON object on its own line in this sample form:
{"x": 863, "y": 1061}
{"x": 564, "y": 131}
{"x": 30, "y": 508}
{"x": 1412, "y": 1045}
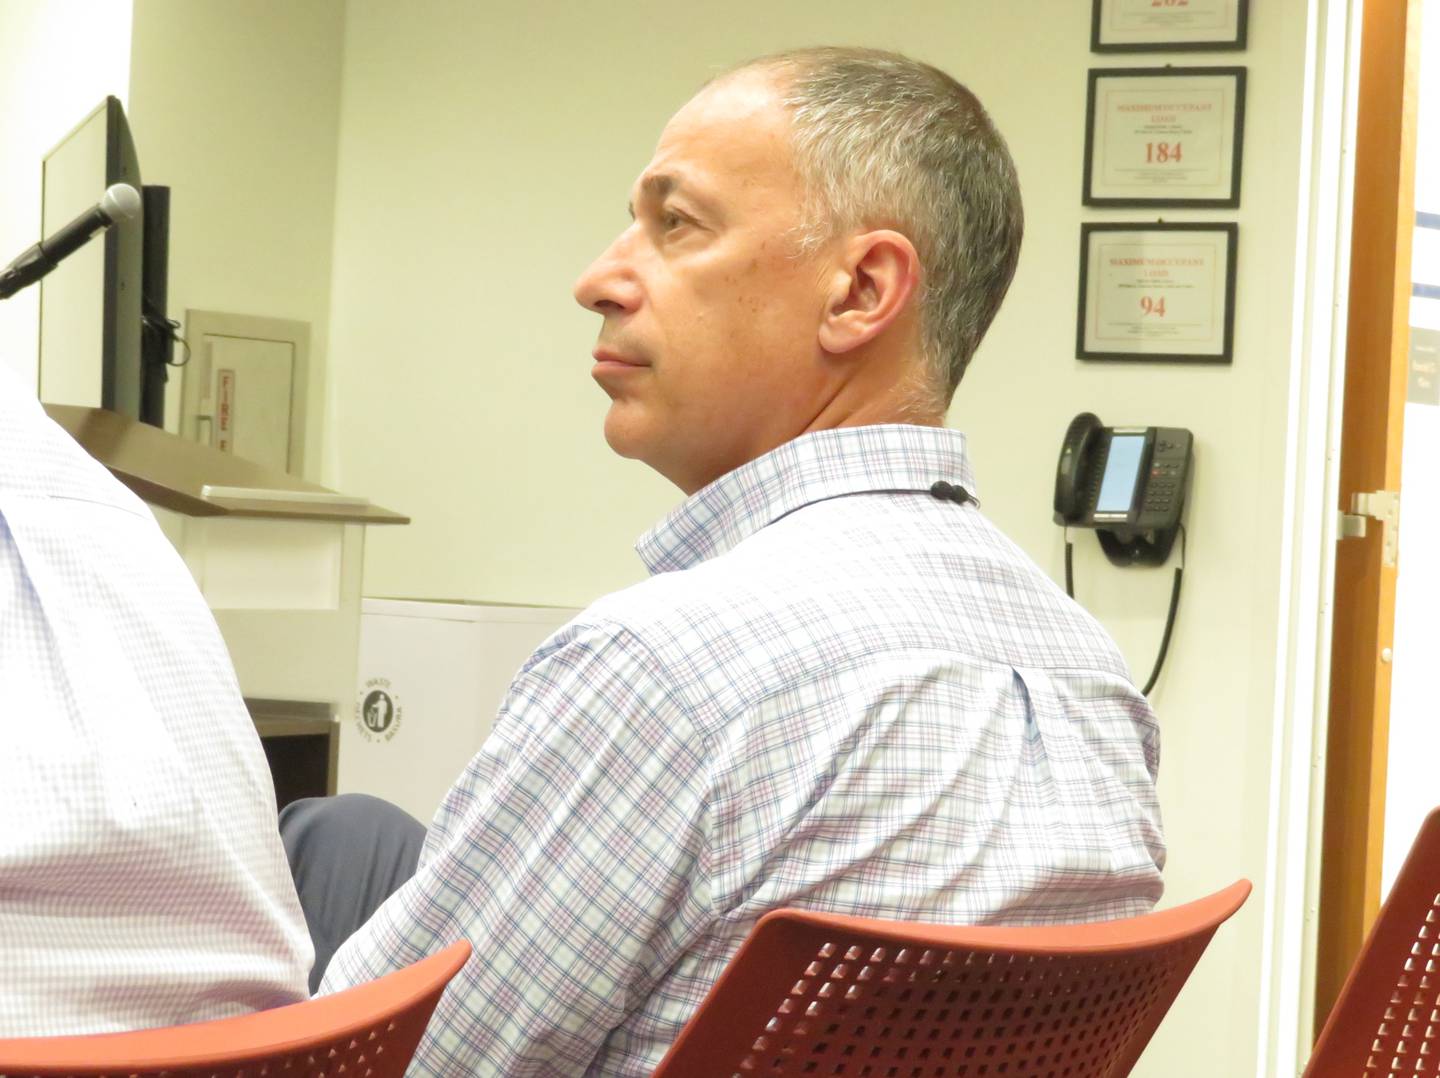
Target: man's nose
{"x": 609, "y": 285}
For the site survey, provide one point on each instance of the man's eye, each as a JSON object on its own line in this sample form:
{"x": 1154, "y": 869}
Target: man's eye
{"x": 666, "y": 222}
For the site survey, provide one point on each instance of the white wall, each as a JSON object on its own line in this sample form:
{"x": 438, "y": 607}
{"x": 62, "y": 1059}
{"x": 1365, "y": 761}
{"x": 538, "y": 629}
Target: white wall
{"x": 58, "y": 60}
{"x": 485, "y": 157}
{"x": 236, "y": 107}
{"x": 486, "y": 154}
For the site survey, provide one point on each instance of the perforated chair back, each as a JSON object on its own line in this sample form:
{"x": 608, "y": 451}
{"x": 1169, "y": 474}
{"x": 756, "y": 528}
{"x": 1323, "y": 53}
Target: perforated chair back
{"x": 1386, "y": 1021}
{"x": 815, "y": 994}
{"x": 370, "y": 1031}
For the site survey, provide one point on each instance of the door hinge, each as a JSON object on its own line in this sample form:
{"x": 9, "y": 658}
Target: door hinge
{"x": 1381, "y": 505}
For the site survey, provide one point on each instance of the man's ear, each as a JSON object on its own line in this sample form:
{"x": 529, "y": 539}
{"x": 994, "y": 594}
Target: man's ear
{"x": 878, "y": 276}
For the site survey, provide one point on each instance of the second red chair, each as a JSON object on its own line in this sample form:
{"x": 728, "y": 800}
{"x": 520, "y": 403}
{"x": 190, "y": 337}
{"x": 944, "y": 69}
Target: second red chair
{"x": 817, "y": 994}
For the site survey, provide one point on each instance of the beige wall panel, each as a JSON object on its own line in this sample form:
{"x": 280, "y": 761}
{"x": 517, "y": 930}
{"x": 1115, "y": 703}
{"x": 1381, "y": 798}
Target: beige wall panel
{"x": 236, "y": 107}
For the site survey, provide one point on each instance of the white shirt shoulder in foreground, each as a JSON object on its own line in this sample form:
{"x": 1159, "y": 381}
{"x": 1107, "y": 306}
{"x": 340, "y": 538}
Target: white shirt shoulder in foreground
{"x": 142, "y": 879}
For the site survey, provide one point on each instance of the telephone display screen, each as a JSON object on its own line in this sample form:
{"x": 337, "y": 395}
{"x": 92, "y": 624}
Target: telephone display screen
{"x": 1117, "y": 487}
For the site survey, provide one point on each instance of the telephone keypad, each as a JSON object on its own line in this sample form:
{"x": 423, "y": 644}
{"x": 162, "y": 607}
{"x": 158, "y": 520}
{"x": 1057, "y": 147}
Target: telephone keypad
{"x": 1164, "y": 485}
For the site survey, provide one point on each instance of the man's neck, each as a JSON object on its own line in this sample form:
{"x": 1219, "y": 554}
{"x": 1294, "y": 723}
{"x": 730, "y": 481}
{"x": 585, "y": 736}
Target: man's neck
{"x": 897, "y": 398}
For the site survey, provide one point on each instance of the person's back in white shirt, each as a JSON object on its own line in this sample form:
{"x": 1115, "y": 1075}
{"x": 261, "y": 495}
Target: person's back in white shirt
{"x": 142, "y": 879}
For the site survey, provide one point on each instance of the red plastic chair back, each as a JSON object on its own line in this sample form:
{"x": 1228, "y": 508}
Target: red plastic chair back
{"x": 369, "y": 1031}
{"x": 1386, "y": 1021}
{"x": 817, "y": 994}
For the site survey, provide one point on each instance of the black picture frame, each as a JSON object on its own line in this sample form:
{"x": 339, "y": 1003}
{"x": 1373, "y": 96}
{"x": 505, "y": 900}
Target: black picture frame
{"x": 1236, "y": 43}
{"x": 1229, "y": 201}
{"x": 1227, "y": 353}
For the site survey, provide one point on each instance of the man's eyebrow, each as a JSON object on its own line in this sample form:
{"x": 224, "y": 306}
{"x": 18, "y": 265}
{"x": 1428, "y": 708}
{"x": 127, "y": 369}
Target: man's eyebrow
{"x": 659, "y": 184}
{"x": 656, "y": 185}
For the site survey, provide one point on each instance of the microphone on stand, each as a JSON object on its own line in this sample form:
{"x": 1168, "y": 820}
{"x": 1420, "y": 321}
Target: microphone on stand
{"x": 119, "y": 203}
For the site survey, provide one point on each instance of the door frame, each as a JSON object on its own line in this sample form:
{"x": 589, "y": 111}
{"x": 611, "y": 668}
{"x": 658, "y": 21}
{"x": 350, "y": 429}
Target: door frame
{"x": 1324, "y": 196}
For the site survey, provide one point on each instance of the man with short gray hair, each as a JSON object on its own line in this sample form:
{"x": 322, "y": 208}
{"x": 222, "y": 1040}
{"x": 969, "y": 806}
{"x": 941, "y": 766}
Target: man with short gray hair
{"x": 878, "y": 137}
{"x": 841, "y": 688}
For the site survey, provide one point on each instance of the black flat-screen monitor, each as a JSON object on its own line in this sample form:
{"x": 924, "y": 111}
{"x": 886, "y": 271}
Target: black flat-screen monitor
{"x": 91, "y": 304}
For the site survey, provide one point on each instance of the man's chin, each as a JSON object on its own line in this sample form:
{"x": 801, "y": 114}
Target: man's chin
{"x": 622, "y": 435}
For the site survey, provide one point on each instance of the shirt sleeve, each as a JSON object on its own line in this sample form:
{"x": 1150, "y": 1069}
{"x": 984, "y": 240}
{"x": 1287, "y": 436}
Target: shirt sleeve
{"x": 570, "y": 854}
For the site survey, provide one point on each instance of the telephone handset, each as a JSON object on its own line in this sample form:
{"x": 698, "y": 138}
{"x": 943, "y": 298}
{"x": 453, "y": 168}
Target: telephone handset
{"x": 1070, "y": 481}
{"x": 1128, "y": 483}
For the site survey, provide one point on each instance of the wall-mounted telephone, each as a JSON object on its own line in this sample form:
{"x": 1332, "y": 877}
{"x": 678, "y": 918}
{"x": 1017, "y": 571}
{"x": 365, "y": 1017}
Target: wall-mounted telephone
{"x": 1128, "y": 483}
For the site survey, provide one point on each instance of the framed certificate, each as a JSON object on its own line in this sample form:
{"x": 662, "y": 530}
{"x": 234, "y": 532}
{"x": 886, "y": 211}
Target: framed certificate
{"x": 1167, "y": 25}
{"x": 1161, "y": 292}
{"x": 1164, "y": 136}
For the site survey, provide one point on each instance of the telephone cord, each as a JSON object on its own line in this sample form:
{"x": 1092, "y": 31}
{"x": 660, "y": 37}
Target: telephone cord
{"x": 1069, "y": 565}
{"x": 1169, "y": 618}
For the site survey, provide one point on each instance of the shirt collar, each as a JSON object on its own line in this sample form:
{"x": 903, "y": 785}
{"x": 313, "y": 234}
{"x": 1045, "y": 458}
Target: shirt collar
{"x": 812, "y": 468}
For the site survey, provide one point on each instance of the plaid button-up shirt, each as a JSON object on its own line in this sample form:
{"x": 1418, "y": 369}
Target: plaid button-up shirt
{"x": 835, "y": 691}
